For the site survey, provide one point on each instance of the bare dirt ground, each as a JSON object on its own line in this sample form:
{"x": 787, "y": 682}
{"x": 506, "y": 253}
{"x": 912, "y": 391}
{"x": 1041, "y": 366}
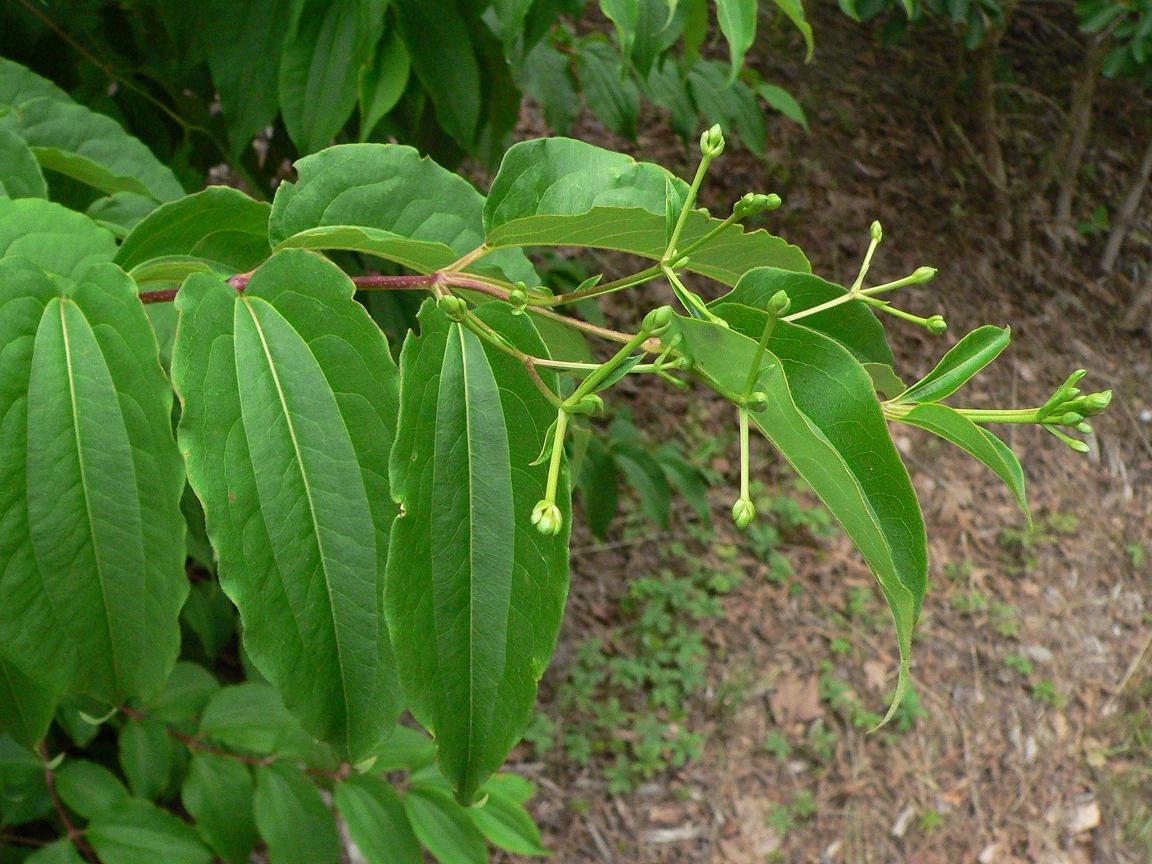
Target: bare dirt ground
{"x": 1035, "y": 744}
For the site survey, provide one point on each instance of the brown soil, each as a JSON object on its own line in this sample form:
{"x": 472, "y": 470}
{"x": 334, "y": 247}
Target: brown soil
{"x": 1010, "y": 778}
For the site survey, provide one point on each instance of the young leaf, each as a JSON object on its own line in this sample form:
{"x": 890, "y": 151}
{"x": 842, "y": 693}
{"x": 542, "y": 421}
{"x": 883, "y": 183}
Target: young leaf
{"x": 853, "y": 324}
{"x": 136, "y": 832}
{"x": 737, "y": 20}
{"x": 956, "y": 368}
{"x": 56, "y": 239}
{"x": 220, "y": 226}
{"x": 954, "y": 427}
{"x": 562, "y": 192}
{"x": 289, "y": 397}
{"x": 26, "y": 708}
{"x": 292, "y": 817}
{"x": 872, "y": 499}
{"x": 93, "y": 563}
{"x": 442, "y": 826}
{"x": 217, "y": 793}
{"x": 377, "y": 821}
{"x": 386, "y": 200}
{"x": 20, "y": 175}
{"x": 474, "y": 593}
{"x": 88, "y": 789}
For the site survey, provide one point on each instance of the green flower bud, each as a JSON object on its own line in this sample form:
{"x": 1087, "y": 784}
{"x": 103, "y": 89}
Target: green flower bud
{"x": 1078, "y": 446}
{"x": 936, "y": 325}
{"x": 712, "y": 142}
{"x": 656, "y": 322}
{"x": 547, "y": 518}
{"x": 1095, "y": 403}
{"x": 923, "y": 274}
{"x": 591, "y": 405}
{"x": 755, "y": 203}
{"x": 876, "y": 231}
{"x": 757, "y": 401}
{"x": 683, "y": 362}
{"x": 1070, "y": 419}
{"x": 743, "y": 512}
{"x": 779, "y": 303}
{"x": 455, "y": 308}
{"x": 518, "y": 298}
{"x": 1084, "y": 428}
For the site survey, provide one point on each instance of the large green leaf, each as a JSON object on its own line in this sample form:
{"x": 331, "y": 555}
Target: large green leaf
{"x": 827, "y": 430}
{"x": 18, "y": 84}
{"x": 737, "y": 20}
{"x": 377, "y": 821}
{"x": 852, "y": 324}
{"x": 386, "y": 200}
{"x": 218, "y": 794}
{"x": 219, "y": 226}
{"x": 77, "y": 142}
{"x": 26, "y": 708}
{"x": 20, "y": 175}
{"x": 92, "y": 549}
{"x": 56, "y": 239}
{"x": 328, "y": 42}
{"x": 88, "y": 788}
{"x": 289, "y": 406}
{"x": 562, "y": 192}
{"x": 474, "y": 593}
{"x": 956, "y": 368}
{"x": 136, "y": 832}
{"x": 292, "y": 817}
{"x": 954, "y": 427}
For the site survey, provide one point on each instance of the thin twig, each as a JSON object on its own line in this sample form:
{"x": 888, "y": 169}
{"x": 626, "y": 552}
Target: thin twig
{"x": 74, "y": 833}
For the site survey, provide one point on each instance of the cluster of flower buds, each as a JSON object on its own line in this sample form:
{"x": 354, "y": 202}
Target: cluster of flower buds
{"x": 518, "y": 298}
{"x": 657, "y": 322}
{"x": 755, "y": 203}
{"x": 712, "y": 142}
{"x": 1069, "y": 407}
{"x": 547, "y": 518}
{"x": 454, "y": 308}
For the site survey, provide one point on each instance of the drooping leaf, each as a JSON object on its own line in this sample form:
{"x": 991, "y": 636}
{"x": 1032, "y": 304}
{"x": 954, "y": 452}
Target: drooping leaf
{"x": 289, "y": 397}
{"x": 382, "y": 81}
{"x": 852, "y": 324}
{"x": 92, "y": 148}
{"x": 547, "y": 76}
{"x": 731, "y": 103}
{"x": 386, "y": 200}
{"x": 645, "y": 29}
{"x": 956, "y": 368}
{"x": 88, "y": 789}
{"x": 794, "y": 10}
{"x": 885, "y": 379}
{"x": 954, "y": 427}
{"x": 218, "y": 794}
{"x": 562, "y": 192}
{"x": 474, "y": 593}
{"x": 184, "y": 696}
{"x": 870, "y": 496}
{"x": 737, "y": 20}
{"x": 61, "y": 852}
{"x": 26, "y": 708}
{"x": 93, "y": 563}
{"x": 292, "y": 817}
{"x": 784, "y": 102}
{"x": 136, "y": 832}
{"x": 20, "y": 175}
{"x": 377, "y": 821}
{"x": 219, "y": 226}
{"x": 506, "y": 824}
{"x": 251, "y": 718}
{"x": 608, "y": 89}
{"x": 599, "y": 487}
{"x": 645, "y": 476}
{"x": 510, "y": 15}
{"x": 442, "y": 826}
{"x": 327, "y": 43}
{"x": 56, "y": 239}
{"x": 146, "y": 757}
{"x": 405, "y": 749}
{"x": 208, "y": 612}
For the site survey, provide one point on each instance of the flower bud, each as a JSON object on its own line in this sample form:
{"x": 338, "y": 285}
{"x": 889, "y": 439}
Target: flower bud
{"x": 936, "y": 325}
{"x": 455, "y": 308}
{"x": 712, "y": 142}
{"x": 743, "y": 512}
{"x": 547, "y": 518}
{"x": 656, "y": 322}
{"x": 1071, "y": 418}
{"x": 754, "y": 203}
{"x": 757, "y": 401}
{"x": 779, "y": 303}
{"x": 923, "y": 274}
{"x": 1084, "y": 428}
{"x": 591, "y": 405}
{"x": 876, "y": 231}
{"x": 518, "y": 298}
{"x": 1095, "y": 403}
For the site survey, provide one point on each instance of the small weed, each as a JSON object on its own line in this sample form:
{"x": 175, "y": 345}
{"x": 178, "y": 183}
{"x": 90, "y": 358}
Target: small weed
{"x": 777, "y": 745}
{"x": 969, "y": 602}
{"x": 1019, "y": 663}
{"x": 1136, "y": 553}
{"x": 1046, "y": 692}
{"x": 1005, "y": 619}
{"x": 931, "y": 820}
{"x": 822, "y": 741}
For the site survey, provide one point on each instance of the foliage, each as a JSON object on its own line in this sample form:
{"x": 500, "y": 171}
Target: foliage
{"x": 391, "y": 535}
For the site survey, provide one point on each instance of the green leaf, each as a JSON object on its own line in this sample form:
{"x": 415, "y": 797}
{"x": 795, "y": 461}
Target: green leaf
{"x": 93, "y": 563}
{"x": 442, "y": 826}
{"x": 219, "y": 226}
{"x": 977, "y": 441}
{"x": 59, "y": 240}
{"x": 89, "y": 789}
{"x": 251, "y": 718}
{"x": 510, "y": 15}
{"x": 382, "y": 81}
{"x": 784, "y": 102}
{"x": 562, "y": 192}
{"x": 218, "y": 794}
{"x": 146, "y": 757}
{"x": 20, "y": 175}
{"x": 731, "y": 103}
{"x": 18, "y": 84}
{"x": 852, "y": 324}
{"x": 737, "y": 20}
{"x": 292, "y": 817}
{"x": 474, "y": 593}
{"x": 136, "y": 832}
{"x": 956, "y": 368}
{"x": 507, "y": 824}
{"x": 794, "y": 10}
{"x": 26, "y": 708}
{"x": 61, "y": 852}
{"x": 92, "y": 148}
{"x": 547, "y": 76}
{"x": 828, "y": 425}
{"x": 405, "y": 749}
{"x": 599, "y": 487}
{"x": 377, "y": 821}
{"x": 188, "y": 690}
{"x": 327, "y": 43}
{"x": 608, "y": 89}
{"x": 289, "y": 405}
{"x": 210, "y": 615}
{"x": 646, "y": 477}
{"x": 885, "y": 379}
{"x": 386, "y": 200}
{"x": 510, "y": 786}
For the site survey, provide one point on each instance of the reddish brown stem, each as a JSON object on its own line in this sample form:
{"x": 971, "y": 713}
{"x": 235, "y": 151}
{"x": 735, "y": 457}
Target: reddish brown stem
{"x": 74, "y": 833}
